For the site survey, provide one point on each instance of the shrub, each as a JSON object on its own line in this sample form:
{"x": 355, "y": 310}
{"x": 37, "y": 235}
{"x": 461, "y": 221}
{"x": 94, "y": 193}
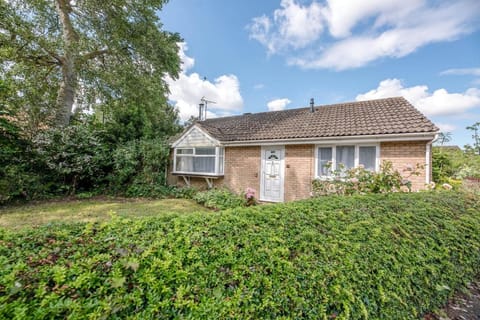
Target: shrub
{"x": 19, "y": 178}
{"x": 361, "y": 181}
{"x": 74, "y": 157}
{"x": 219, "y": 199}
{"x": 183, "y": 192}
{"x": 453, "y": 163}
{"x": 442, "y": 167}
{"x": 384, "y": 256}
{"x": 467, "y": 171}
{"x": 139, "y": 168}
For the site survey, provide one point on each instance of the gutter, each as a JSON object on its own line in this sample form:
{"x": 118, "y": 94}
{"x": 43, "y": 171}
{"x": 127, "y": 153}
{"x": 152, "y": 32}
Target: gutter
{"x": 333, "y": 140}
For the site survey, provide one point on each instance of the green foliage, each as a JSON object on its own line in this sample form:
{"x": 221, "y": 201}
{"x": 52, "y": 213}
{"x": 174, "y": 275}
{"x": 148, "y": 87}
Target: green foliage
{"x": 18, "y": 176}
{"x": 475, "y": 128}
{"x": 361, "y": 181}
{"x": 139, "y": 168}
{"x": 64, "y": 161}
{"x": 384, "y": 256}
{"x": 114, "y": 63}
{"x": 442, "y": 168}
{"x": 220, "y": 199}
{"x": 19, "y": 181}
{"x": 454, "y": 163}
{"x": 74, "y": 155}
{"x": 111, "y": 55}
{"x": 183, "y": 192}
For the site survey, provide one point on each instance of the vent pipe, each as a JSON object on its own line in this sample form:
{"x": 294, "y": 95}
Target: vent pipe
{"x": 312, "y": 103}
{"x": 200, "y": 111}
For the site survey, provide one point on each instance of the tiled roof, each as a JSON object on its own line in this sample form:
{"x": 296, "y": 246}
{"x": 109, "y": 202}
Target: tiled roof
{"x": 373, "y": 117}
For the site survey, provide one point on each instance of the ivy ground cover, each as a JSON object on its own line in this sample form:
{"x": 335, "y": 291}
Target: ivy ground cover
{"x": 387, "y": 256}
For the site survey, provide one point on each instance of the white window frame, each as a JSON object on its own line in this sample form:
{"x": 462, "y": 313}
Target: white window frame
{"x": 219, "y": 153}
{"x": 357, "y": 155}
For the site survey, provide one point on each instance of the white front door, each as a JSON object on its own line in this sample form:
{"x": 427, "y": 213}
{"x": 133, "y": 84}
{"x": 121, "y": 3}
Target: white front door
{"x": 271, "y": 188}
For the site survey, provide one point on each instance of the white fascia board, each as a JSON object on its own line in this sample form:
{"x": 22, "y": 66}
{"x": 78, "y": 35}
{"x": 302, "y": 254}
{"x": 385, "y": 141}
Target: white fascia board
{"x": 209, "y": 137}
{"x": 338, "y": 140}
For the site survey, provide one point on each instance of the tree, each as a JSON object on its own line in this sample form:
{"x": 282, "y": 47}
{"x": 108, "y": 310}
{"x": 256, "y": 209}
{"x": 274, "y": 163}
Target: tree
{"x": 89, "y": 53}
{"x": 475, "y": 136}
{"x": 444, "y": 137}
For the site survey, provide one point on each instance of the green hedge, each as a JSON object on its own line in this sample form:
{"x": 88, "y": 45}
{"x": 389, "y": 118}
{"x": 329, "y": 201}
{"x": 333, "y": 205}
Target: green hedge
{"x": 388, "y": 256}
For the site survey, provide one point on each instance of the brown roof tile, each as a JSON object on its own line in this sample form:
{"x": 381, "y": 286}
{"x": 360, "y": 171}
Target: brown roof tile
{"x": 373, "y": 117}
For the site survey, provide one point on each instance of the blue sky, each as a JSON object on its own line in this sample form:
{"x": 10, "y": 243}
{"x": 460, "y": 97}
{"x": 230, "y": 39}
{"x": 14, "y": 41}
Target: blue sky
{"x": 254, "y": 56}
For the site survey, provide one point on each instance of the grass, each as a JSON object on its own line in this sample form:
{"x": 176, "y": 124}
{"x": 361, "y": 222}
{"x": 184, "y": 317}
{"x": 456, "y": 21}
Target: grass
{"x": 33, "y": 215}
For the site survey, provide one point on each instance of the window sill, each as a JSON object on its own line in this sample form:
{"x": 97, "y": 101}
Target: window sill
{"x": 199, "y": 175}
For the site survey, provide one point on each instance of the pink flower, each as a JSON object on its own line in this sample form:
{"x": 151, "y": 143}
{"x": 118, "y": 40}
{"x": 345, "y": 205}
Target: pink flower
{"x": 250, "y": 193}
{"x": 354, "y": 180}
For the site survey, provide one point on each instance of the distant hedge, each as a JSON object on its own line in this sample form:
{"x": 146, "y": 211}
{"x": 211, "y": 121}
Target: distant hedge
{"x": 387, "y": 256}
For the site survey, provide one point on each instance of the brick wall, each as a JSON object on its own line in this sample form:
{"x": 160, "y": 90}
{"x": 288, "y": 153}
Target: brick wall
{"x": 242, "y": 168}
{"x": 299, "y": 171}
{"x": 404, "y": 154}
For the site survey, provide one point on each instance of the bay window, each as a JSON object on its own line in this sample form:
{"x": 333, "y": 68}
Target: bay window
{"x": 199, "y": 160}
{"x": 345, "y": 157}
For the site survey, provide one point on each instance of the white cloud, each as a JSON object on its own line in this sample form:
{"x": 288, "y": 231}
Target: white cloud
{"x": 445, "y": 127}
{"x": 278, "y": 104}
{"x": 462, "y": 72}
{"x": 259, "y": 86}
{"x": 294, "y": 25}
{"x": 189, "y": 88}
{"x": 361, "y": 31}
{"x": 440, "y": 102}
{"x": 187, "y": 62}
{"x": 343, "y": 15}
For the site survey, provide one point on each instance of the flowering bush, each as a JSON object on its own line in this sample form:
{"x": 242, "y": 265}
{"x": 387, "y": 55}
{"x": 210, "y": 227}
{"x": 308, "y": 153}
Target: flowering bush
{"x": 250, "y": 196}
{"x": 361, "y": 181}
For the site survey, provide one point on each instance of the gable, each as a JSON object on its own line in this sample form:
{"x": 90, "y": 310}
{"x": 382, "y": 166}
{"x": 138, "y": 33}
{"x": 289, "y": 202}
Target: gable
{"x": 195, "y": 137}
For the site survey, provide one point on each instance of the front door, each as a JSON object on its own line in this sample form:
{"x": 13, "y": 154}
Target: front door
{"x": 271, "y": 188}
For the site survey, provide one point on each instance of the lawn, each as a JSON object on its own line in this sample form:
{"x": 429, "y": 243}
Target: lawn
{"x": 33, "y": 215}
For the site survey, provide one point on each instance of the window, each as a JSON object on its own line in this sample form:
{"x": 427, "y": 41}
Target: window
{"x": 367, "y": 157}
{"x": 345, "y": 157}
{"x": 331, "y": 158}
{"x": 200, "y": 160}
{"x": 324, "y": 161}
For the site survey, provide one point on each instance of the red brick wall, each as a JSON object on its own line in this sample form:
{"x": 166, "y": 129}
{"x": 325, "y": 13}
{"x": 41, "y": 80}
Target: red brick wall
{"x": 405, "y": 154}
{"x": 299, "y": 171}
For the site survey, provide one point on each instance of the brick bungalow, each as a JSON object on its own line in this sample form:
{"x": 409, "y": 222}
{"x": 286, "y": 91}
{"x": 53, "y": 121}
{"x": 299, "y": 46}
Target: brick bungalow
{"x": 279, "y": 153}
